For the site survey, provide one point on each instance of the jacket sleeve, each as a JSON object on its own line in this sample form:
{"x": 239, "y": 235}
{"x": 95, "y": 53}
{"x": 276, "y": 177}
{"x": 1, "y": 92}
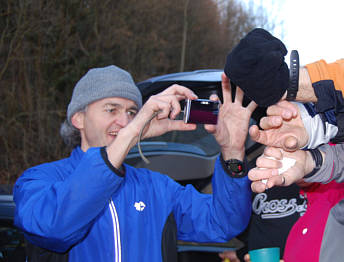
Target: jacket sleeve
{"x": 56, "y": 211}
{"x": 328, "y": 84}
{"x": 321, "y": 70}
{"x": 333, "y": 166}
{"x": 320, "y": 127}
{"x": 216, "y": 217}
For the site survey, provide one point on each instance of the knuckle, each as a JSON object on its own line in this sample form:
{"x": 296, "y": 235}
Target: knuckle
{"x": 267, "y": 150}
{"x": 259, "y": 161}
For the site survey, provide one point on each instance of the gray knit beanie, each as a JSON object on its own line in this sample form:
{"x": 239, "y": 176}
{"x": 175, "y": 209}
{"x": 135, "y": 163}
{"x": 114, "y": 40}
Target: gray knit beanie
{"x": 99, "y": 83}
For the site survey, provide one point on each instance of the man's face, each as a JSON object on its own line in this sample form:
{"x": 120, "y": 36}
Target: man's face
{"x": 102, "y": 120}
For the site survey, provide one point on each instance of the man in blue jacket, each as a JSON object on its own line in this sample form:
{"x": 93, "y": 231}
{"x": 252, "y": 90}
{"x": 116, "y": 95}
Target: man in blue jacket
{"x": 94, "y": 207}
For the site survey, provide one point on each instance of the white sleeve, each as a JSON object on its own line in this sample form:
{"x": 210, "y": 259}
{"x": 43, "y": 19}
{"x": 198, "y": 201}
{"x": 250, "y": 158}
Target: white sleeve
{"x": 319, "y": 132}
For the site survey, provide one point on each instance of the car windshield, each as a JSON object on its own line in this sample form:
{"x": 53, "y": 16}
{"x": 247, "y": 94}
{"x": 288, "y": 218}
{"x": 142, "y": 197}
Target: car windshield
{"x": 199, "y": 138}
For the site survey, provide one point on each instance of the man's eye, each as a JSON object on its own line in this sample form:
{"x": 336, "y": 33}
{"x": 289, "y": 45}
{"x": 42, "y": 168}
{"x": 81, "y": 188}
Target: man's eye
{"x": 110, "y": 110}
{"x": 132, "y": 113}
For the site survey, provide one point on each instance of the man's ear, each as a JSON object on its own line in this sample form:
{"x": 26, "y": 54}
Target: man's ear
{"x": 78, "y": 120}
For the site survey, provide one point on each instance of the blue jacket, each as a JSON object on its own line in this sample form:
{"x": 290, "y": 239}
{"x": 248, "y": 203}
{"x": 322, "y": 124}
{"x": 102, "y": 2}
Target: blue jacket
{"x": 80, "y": 204}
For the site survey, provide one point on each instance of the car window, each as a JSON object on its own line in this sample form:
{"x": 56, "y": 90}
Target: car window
{"x": 199, "y": 138}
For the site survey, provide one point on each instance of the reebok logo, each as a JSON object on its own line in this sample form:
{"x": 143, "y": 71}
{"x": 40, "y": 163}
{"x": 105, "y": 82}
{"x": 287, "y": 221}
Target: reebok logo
{"x": 139, "y": 206}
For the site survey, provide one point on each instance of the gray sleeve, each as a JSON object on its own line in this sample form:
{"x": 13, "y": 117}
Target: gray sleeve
{"x": 333, "y": 166}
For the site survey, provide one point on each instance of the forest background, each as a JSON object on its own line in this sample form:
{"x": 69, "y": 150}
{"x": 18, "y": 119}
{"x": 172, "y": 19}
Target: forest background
{"x": 47, "y": 45}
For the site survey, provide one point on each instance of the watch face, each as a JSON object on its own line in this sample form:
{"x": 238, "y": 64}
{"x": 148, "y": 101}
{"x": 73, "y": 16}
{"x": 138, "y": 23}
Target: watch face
{"x": 235, "y": 166}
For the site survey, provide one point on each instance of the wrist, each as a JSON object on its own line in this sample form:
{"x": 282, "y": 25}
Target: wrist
{"x": 314, "y": 162}
{"x": 306, "y": 91}
{"x": 233, "y": 154}
{"x": 119, "y": 148}
{"x": 309, "y": 163}
{"x": 129, "y": 135}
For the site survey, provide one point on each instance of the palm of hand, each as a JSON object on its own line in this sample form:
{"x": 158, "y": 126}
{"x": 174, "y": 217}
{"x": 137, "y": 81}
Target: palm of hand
{"x": 290, "y": 135}
{"x": 232, "y": 127}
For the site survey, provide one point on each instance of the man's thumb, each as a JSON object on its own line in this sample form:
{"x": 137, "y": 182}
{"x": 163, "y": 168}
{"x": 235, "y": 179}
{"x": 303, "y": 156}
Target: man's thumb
{"x": 291, "y": 143}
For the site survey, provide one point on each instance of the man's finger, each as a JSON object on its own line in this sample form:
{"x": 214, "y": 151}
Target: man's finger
{"x": 291, "y": 143}
{"x": 270, "y": 122}
{"x": 284, "y": 109}
{"x": 258, "y": 187}
{"x": 276, "y": 181}
{"x": 226, "y": 90}
{"x": 252, "y": 106}
{"x": 214, "y": 97}
{"x": 258, "y": 174}
{"x": 180, "y": 125}
{"x": 257, "y": 135}
{"x": 179, "y": 90}
{"x": 274, "y": 152}
{"x": 239, "y": 95}
{"x": 270, "y": 163}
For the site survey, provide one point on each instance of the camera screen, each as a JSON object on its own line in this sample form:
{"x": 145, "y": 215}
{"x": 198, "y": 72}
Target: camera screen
{"x": 201, "y": 111}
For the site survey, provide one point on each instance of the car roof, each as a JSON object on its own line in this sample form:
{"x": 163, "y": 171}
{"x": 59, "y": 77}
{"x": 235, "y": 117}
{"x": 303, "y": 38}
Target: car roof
{"x": 206, "y": 75}
{"x": 202, "y": 82}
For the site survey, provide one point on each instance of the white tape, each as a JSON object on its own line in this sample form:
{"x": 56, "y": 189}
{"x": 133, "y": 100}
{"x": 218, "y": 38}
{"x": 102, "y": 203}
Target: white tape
{"x": 286, "y": 164}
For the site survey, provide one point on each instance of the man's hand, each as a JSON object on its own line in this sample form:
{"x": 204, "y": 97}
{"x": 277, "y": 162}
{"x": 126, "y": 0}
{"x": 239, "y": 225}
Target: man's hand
{"x": 162, "y": 109}
{"x": 267, "y": 168}
{"x": 283, "y": 127}
{"x": 156, "y": 117}
{"x": 233, "y": 120}
{"x": 229, "y": 256}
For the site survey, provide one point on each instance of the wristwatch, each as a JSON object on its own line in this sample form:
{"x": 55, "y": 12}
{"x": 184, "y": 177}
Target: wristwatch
{"x": 234, "y": 167}
{"x": 293, "y": 76}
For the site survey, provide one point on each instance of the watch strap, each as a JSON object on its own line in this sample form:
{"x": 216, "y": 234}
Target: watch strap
{"x": 235, "y": 173}
{"x": 293, "y": 75}
{"x": 318, "y": 160}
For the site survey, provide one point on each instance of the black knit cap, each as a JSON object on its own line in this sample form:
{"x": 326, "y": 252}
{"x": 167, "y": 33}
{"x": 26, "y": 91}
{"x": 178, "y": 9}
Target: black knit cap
{"x": 257, "y": 66}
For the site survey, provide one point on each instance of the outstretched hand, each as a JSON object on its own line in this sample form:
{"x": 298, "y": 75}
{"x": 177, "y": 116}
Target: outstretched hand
{"x": 233, "y": 121}
{"x": 283, "y": 128}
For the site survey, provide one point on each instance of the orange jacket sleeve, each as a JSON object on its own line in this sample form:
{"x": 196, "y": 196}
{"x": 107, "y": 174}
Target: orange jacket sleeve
{"x": 321, "y": 70}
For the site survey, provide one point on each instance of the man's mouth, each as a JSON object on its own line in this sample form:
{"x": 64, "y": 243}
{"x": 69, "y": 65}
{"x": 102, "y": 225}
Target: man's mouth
{"x": 113, "y": 133}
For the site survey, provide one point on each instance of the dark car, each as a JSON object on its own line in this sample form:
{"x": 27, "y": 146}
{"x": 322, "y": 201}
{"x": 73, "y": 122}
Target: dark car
{"x": 187, "y": 157}
{"x": 12, "y": 245}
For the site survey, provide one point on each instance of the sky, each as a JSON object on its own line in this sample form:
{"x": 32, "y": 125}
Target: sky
{"x": 313, "y": 27}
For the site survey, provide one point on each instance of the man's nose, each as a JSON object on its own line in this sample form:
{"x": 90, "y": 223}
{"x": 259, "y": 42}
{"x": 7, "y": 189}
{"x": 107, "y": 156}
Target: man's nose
{"x": 123, "y": 119}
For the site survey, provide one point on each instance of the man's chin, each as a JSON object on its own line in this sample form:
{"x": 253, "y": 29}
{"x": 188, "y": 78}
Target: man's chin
{"x": 110, "y": 139}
